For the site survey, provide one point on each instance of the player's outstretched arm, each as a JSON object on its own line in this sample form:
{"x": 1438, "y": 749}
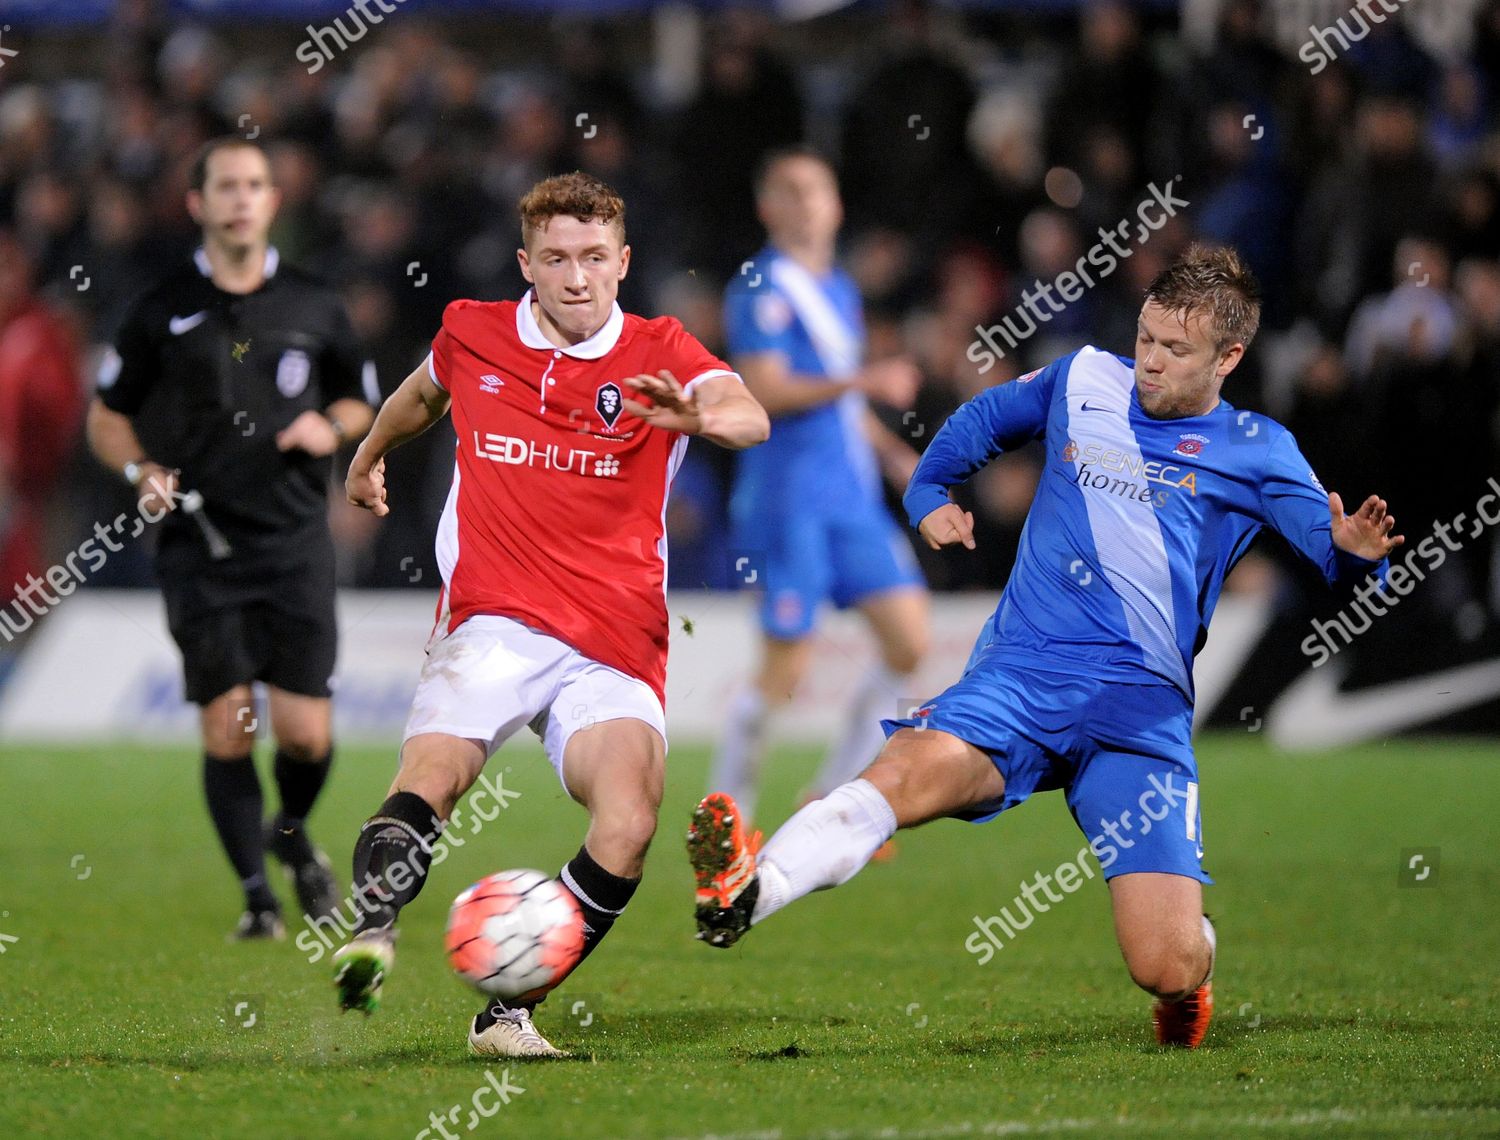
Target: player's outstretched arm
{"x": 412, "y": 409}
{"x": 1367, "y": 532}
{"x": 781, "y": 392}
{"x": 997, "y": 420}
{"x": 898, "y": 459}
{"x": 720, "y": 409}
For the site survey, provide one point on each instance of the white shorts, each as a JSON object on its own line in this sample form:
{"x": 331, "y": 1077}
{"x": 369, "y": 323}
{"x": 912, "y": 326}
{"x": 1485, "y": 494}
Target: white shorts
{"x": 492, "y": 675}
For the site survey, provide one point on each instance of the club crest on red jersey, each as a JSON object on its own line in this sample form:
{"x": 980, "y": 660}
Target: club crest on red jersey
{"x": 609, "y": 401}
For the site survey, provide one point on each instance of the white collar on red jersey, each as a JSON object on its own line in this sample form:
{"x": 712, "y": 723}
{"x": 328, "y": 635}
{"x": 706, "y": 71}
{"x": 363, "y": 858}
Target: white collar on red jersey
{"x": 591, "y": 349}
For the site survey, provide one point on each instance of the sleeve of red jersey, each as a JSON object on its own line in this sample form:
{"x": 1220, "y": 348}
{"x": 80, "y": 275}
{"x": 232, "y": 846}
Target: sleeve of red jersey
{"x": 438, "y": 358}
{"x": 688, "y": 360}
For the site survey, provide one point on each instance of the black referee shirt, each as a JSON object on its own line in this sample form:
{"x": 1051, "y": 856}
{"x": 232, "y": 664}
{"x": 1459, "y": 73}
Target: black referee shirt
{"x": 208, "y": 378}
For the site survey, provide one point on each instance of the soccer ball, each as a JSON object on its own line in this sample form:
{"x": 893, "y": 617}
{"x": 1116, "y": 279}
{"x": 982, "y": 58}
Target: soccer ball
{"x": 514, "y": 934}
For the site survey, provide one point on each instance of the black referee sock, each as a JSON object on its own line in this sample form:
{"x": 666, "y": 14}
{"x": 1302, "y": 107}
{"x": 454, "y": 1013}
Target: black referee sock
{"x": 401, "y": 833}
{"x": 299, "y": 782}
{"x": 234, "y": 803}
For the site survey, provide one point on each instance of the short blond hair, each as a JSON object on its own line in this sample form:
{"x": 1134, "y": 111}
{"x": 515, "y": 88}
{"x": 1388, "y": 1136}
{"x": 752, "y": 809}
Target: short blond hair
{"x": 1217, "y": 283}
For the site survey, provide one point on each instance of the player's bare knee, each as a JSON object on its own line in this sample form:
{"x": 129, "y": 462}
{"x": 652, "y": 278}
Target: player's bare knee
{"x": 1167, "y": 970}
{"x": 779, "y": 688}
{"x": 223, "y": 748}
{"x": 227, "y": 743}
{"x": 905, "y": 656}
{"x": 439, "y": 776}
{"x": 904, "y": 774}
{"x": 305, "y": 748}
{"x": 631, "y": 826}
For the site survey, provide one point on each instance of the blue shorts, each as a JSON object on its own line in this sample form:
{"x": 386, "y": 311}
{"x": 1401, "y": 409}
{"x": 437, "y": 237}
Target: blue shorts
{"x": 1121, "y": 753}
{"x": 810, "y": 559}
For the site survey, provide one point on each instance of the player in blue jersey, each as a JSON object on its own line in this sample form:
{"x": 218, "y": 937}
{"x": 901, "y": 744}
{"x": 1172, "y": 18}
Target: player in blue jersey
{"x": 1154, "y": 486}
{"x": 809, "y": 519}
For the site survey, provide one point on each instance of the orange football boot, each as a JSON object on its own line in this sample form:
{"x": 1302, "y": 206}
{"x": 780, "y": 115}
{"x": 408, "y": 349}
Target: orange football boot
{"x": 723, "y": 861}
{"x": 1184, "y": 1022}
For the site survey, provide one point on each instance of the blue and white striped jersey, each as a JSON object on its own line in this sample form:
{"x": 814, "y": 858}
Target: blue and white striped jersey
{"x": 1136, "y": 521}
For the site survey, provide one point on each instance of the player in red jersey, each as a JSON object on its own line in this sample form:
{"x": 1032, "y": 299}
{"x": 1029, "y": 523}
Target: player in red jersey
{"x": 571, "y": 418}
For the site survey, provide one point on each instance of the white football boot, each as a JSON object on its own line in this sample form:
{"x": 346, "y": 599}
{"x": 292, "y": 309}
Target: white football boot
{"x": 512, "y": 1035}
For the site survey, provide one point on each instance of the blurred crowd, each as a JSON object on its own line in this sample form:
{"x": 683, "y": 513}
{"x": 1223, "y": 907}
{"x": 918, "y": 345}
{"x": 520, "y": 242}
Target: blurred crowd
{"x": 977, "y": 156}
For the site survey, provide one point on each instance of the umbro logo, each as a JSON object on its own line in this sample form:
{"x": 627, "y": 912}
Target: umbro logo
{"x": 490, "y": 383}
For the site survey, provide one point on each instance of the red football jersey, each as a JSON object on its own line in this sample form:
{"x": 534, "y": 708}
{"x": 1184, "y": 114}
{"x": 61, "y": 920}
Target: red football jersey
{"x": 557, "y": 514}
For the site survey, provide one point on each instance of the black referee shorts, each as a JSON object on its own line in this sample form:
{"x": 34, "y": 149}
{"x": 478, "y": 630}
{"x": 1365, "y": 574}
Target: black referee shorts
{"x": 253, "y": 620}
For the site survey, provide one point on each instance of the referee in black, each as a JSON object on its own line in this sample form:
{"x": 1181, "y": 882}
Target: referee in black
{"x": 231, "y": 385}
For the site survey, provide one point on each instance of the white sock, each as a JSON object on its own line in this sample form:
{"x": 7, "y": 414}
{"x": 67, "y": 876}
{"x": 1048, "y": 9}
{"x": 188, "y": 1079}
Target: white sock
{"x": 736, "y": 766}
{"x": 823, "y": 845}
{"x": 1213, "y": 948}
{"x": 876, "y": 699}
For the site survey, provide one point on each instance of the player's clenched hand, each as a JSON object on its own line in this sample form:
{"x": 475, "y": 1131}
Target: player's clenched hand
{"x": 311, "y": 432}
{"x": 1367, "y": 532}
{"x": 671, "y": 408}
{"x": 947, "y": 525}
{"x": 156, "y": 493}
{"x": 365, "y": 485}
{"x": 893, "y": 381}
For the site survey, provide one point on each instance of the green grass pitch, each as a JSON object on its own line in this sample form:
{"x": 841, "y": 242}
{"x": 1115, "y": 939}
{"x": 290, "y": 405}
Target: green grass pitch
{"x": 1347, "y": 1003}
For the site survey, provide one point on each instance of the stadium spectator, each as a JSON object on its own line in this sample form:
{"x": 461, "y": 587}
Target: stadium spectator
{"x": 912, "y": 109}
{"x": 749, "y": 103}
{"x": 40, "y": 403}
{"x": 416, "y": 143}
{"x": 1110, "y": 82}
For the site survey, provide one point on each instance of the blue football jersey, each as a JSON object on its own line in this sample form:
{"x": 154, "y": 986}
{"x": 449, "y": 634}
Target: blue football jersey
{"x": 1136, "y": 521}
{"x": 821, "y": 457}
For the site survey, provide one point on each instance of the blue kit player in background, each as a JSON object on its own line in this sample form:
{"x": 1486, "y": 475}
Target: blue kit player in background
{"x": 809, "y": 519}
{"x": 1153, "y": 488}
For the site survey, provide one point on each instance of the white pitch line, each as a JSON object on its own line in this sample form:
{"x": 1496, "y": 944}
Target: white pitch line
{"x": 1311, "y": 1118}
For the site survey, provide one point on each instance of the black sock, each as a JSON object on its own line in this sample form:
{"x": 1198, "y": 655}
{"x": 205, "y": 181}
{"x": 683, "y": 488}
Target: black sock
{"x": 401, "y": 832}
{"x": 234, "y": 803}
{"x": 299, "y": 782}
{"x": 602, "y": 896}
